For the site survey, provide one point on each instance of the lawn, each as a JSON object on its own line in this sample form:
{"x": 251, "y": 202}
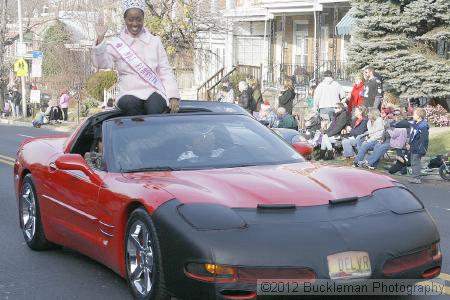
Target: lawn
{"x": 439, "y": 144}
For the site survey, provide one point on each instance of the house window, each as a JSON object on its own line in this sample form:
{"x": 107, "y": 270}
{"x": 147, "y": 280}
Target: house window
{"x": 300, "y": 46}
{"x": 324, "y": 33}
{"x": 249, "y": 50}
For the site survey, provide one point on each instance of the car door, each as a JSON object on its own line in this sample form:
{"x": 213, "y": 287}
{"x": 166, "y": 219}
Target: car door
{"x": 72, "y": 199}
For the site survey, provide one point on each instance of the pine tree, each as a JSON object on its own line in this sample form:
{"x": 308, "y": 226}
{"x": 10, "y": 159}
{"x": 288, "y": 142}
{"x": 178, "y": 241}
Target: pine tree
{"x": 399, "y": 38}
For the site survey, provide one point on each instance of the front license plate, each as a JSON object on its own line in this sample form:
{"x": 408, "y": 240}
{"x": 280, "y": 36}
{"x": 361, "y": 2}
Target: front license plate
{"x": 346, "y": 265}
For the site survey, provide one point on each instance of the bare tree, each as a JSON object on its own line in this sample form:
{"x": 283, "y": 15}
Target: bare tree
{"x": 180, "y": 22}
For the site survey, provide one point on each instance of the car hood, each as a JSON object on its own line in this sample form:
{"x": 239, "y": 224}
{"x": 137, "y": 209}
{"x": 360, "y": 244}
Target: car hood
{"x": 302, "y": 184}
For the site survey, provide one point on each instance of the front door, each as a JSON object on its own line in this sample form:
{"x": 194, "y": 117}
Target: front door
{"x": 72, "y": 200}
{"x": 300, "y": 51}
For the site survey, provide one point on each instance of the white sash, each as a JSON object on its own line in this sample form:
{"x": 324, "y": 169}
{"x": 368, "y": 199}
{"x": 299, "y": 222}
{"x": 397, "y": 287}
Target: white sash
{"x": 144, "y": 71}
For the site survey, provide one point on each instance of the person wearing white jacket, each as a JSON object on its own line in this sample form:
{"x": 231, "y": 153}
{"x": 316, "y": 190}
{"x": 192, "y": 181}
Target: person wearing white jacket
{"x": 375, "y": 133}
{"x": 327, "y": 94}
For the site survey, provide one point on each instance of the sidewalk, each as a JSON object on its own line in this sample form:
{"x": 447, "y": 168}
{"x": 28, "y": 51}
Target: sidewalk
{"x": 62, "y": 127}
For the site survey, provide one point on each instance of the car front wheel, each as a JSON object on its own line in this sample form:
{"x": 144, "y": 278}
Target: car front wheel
{"x": 143, "y": 258}
{"x": 30, "y": 216}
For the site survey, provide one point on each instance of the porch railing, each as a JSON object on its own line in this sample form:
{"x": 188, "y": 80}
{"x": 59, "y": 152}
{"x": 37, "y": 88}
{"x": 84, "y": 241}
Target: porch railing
{"x": 303, "y": 74}
{"x": 213, "y": 91}
{"x": 202, "y": 91}
{"x": 254, "y": 71}
{"x": 185, "y": 78}
{"x": 110, "y": 93}
{"x": 210, "y": 89}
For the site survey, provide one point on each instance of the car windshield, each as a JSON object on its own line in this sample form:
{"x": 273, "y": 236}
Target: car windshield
{"x": 195, "y": 141}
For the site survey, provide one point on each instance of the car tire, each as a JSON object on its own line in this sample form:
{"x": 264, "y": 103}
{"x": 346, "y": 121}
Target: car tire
{"x": 143, "y": 260}
{"x": 30, "y": 216}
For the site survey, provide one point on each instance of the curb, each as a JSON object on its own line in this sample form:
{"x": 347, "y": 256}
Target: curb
{"x": 426, "y": 178}
{"x": 28, "y": 124}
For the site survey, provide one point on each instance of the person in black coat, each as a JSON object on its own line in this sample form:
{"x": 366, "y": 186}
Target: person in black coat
{"x": 358, "y": 128}
{"x": 16, "y": 102}
{"x": 340, "y": 121}
{"x": 245, "y": 99}
{"x": 287, "y": 96}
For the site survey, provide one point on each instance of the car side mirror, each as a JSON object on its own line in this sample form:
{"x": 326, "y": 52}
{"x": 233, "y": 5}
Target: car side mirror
{"x": 76, "y": 162}
{"x": 303, "y": 148}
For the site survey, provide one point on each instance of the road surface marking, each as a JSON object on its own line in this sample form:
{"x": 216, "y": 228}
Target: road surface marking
{"x": 7, "y": 158}
{"x": 27, "y": 136}
{"x": 444, "y": 276}
{"x": 6, "y": 162}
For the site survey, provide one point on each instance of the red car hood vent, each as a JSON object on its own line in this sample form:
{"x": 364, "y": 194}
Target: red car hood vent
{"x": 302, "y": 184}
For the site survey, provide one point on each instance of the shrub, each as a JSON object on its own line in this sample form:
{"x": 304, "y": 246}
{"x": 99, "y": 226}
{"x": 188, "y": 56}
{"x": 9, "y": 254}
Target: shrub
{"x": 100, "y": 81}
{"x": 235, "y": 78}
{"x": 87, "y": 105}
{"x": 437, "y": 115}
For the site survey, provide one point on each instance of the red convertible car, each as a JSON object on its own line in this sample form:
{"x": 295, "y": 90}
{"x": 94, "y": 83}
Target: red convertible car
{"x": 202, "y": 205}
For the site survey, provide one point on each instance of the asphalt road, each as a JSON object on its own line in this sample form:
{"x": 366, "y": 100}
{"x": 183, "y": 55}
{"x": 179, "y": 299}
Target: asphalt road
{"x": 65, "y": 274}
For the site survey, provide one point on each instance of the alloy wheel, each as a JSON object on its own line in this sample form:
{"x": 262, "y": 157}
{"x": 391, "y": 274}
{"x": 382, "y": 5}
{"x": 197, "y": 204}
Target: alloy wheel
{"x": 140, "y": 261}
{"x": 28, "y": 212}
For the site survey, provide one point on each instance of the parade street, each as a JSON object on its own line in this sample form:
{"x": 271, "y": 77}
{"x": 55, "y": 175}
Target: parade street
{"x": 65, "y": 274}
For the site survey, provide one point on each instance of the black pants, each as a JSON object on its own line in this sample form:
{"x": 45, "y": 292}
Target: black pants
{"x": 133, "y": 106}
{"x": 65, "y": 113}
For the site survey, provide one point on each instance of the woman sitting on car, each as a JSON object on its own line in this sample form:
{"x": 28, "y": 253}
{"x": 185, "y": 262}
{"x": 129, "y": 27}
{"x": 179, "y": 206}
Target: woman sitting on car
{"x": 147, "y": 84}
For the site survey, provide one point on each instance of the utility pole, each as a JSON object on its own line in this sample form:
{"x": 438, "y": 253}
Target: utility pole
{"x": 24, "y": 99}
{"x": 3, "y": 10}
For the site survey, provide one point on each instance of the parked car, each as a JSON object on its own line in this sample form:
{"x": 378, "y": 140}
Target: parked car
{"x": 294, "y": 138}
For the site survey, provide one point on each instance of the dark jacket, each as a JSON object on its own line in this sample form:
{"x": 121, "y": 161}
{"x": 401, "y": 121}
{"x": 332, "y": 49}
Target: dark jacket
{"x": 339, "y": 122}
{"x": 286, "y": 100}
{"x": 245, "y": 100}
{"x": 360, "y": 129}
{"x": 17, "y": 98}
{"x": 370, "y": 91}
{"x": 288, "y": 121}
{"x": 11, "y": 97}
{"x": 418, "y": 139}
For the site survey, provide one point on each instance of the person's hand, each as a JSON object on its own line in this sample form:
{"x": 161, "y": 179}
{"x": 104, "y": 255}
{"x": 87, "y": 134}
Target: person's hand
{"x": 174, "y": 105}
{"x": 100, "y": 29}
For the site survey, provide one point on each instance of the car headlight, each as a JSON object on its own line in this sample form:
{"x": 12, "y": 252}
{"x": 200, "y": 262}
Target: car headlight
{"x": 399, "y": 200}
{"x": 206, "y": 216}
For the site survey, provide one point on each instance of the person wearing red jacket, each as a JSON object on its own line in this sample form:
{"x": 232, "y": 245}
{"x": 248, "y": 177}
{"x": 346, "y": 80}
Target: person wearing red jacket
{"x": 356, "y": 97}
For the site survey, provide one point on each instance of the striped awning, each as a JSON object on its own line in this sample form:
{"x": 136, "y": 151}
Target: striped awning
{"x": 345, "y": 25}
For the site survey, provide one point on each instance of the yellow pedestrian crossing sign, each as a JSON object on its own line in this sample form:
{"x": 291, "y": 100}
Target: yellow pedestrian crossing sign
{"x": 21, "y": 67}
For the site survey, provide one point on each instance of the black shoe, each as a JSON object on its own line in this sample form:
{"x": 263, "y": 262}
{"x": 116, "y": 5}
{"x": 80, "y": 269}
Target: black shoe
{"x": 322, "y": 154}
